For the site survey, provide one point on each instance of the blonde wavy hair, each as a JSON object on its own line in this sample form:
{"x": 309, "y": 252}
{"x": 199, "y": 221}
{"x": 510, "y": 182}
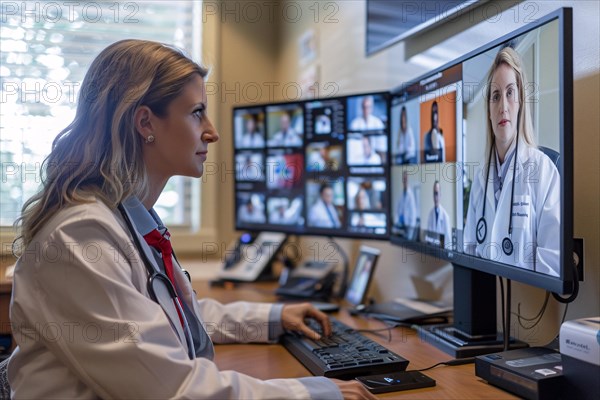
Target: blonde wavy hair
{"x": 99, "y": 154}
{"x": 508, "y": 56}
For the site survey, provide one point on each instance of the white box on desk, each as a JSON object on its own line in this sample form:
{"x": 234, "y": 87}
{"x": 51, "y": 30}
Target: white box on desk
{"x": 580, "y": 350}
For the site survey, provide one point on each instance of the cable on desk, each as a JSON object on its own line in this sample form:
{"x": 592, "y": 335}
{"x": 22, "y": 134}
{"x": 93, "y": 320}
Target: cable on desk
{"x": 377, "y": 317}
{"x": 388, "y": 328}
{"x": 458, "y": 361}
{"x": 376, "y": 331}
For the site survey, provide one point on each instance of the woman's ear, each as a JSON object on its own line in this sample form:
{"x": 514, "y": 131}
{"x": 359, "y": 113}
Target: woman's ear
{"x": 143, "y": 121}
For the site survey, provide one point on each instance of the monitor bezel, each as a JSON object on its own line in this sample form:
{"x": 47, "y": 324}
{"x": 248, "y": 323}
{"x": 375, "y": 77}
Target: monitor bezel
{"x": 564, "y": 283}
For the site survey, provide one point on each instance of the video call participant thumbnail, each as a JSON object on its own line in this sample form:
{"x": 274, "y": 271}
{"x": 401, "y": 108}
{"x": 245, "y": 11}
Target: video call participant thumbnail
{"x": 284, "y": 170}
{"x": 365, "y": 193}
{"x": 285, "y": 211}
{"x": 249, "y": 167}
{"x": 405, "y": 151}
{"x": 438, "y": 125}
{"x": 366, "y": 149}
{"x": 252, "y": 134}
{"x": 323, "y": 122}
{"x": 433, "y": 142}
{"x": 251, "y": 209}
{"x": 406, "y": 207}
{"x": 439, "y": 225}
{"x": 320, "y": 156}
{"x": 288, "y": 129}
{"x": 367, "y": 113}
{"x": 322, "y": 212}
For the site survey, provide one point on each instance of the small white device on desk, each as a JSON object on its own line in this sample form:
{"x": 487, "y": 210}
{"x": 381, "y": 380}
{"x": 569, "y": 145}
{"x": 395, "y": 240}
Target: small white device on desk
{"x": 580, "y": 350}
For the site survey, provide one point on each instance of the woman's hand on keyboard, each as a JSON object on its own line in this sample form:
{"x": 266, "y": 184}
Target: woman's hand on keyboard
{"x": 354, "y": 390}
{"x": 293, "y": 315}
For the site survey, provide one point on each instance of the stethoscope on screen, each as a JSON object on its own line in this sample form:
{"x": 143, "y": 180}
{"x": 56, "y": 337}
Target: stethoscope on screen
{"x": 157, "y": 277}
{"x": 481, "y": 229}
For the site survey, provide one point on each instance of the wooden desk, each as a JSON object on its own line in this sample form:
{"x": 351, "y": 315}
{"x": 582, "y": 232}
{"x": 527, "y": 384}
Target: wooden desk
{"x": 273, "y": 361}
{"x": 270, "y": 361}
{"x": 5, "y": 293}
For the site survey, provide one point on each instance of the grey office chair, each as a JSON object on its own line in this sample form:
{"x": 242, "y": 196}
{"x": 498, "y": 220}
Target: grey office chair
{"x": 552, "y": 154}
{"x": 4, "y": 387}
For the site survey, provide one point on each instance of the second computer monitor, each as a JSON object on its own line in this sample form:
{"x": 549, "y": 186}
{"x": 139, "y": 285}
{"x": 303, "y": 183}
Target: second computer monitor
{"x": 317, "y": 167}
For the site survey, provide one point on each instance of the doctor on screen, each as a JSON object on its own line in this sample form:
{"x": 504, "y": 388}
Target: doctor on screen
{"x": 406, "y": 148}
{"x": 287, "y": 135}
{"x": 513, "y": 217}
{"x": 406, "y": 210}
{"x": 250, "y": 213}
{"x": 438, "y": 220}
{"x": 367, "y": 120}
{"x": 253, "y": 135}
{"x": 435, "y": 146}
{"x": 323, "y": 214}
{"x": 369, "y": 156}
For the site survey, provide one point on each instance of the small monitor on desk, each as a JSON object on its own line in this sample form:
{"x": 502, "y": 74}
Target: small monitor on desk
{"x": 356, "y": 293}
{"x": 364, "y": 269}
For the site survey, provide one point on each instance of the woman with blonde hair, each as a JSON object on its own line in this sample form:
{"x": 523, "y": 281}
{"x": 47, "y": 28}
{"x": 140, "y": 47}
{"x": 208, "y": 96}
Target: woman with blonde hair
{"x": 101, "y": 308}
{"x": 514, "y": 204}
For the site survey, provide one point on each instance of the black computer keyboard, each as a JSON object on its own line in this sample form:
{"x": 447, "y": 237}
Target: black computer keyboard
{"x": 346, "y": 354}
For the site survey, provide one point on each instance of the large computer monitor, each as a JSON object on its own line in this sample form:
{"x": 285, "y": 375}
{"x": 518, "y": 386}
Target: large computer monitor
{"x": 482, "y": 166}
{"x": 315, "y": 167}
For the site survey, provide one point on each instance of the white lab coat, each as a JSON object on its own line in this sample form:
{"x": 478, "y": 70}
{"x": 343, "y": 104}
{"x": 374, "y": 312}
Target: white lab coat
{"x": 536, "y": 214}
{"x": 250, "y": 140}
{"x": 406, "y": 145}
{"x": 372, "y": 122}
{"x": 290, "y": 138}
{"x": 86, "y": 327}
{"x": 407, "y": 209}
{"x": 319, "y": 217}
{"x": 372, "y": 159}
{"x": 443, "y": 225}
{"x": 257, "y": 216}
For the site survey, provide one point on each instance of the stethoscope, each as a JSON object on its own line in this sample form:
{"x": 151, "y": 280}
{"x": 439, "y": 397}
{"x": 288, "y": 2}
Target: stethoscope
{"x": 157, "y": 277}
{"x": 481, "y": 229}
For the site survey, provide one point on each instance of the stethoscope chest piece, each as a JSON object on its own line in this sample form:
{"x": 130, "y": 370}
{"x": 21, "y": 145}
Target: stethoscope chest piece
{"x": 507, "y": 246}
{"x": 481, "y": 230}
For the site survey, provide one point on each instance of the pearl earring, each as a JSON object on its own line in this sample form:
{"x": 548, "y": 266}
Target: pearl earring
{"x": 149, "y": 139}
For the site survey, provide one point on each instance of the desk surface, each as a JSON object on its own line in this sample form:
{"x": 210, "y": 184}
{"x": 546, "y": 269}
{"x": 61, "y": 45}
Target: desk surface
{"x": 273, "y": 361}
{"x": 5, "y": 291}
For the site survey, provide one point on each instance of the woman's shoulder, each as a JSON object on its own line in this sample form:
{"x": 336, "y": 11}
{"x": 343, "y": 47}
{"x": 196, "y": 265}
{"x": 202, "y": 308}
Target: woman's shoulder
{"x": 94, "y": 208}
{"x": 92, "y": 214}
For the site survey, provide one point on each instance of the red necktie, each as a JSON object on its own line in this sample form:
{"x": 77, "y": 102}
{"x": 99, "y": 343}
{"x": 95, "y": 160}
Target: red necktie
{"x": 163, "y": 245}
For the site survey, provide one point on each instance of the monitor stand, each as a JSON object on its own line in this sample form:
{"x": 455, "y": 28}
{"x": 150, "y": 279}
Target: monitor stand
{"x": 474, "y": 329}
